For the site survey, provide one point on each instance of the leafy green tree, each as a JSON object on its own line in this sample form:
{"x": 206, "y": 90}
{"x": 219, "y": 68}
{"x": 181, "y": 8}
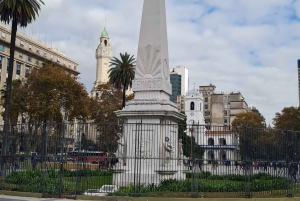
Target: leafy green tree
{"x": 190, "y": 147}
{"x": 19, "y": 12}
{"x": 122, "y": 73}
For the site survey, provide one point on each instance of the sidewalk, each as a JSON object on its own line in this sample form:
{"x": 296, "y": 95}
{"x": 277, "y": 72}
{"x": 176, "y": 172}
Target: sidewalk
{"x": 17, "y": 198}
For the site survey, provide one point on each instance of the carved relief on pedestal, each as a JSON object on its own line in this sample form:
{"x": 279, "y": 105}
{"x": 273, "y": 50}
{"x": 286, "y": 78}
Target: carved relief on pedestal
{"x": 143, "y": 148}
{"x": 149, "y": 62}
{"x": 166, "y": 69}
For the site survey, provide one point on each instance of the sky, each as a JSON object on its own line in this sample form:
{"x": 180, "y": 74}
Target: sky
{"x": 237, "y": 45}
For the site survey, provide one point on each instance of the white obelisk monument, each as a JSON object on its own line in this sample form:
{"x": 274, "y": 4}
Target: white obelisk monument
{"x": 149, "y": 139}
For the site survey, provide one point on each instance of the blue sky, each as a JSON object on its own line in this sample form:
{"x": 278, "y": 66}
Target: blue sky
{"x": 237, "y": 45}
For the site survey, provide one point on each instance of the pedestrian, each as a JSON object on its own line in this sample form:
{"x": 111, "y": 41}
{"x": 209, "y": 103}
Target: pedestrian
{"x": 200, "y": 164}
{"x": 265, "y": 166}
{"x": 191, "y": 164}
{"x": 274, "y": 164}
{"x": 236, "y": 165}
{"x": 33, "y": 162}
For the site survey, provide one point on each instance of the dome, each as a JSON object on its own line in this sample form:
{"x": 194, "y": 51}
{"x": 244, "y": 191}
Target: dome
{"x": 104, "y": 33}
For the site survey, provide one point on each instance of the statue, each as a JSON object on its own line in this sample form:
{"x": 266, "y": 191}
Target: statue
{"x": 121, "y": 147}
{"x": 168, "y": 150}
{"x": 180, "y": 152}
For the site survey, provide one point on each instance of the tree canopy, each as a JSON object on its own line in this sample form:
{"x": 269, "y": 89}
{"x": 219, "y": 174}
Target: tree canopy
{"x": 288, "y": 119}
{"x": 48, "y": 93}
{"x": 254, "y": 140}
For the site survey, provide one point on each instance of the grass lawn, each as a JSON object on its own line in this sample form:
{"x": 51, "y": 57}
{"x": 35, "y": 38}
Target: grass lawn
{"x": 84, "y": 183}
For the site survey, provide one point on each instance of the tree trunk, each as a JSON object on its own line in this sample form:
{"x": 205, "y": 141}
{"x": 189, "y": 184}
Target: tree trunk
{"x": 8, "y": 90}
{"x": 124, "y": 95}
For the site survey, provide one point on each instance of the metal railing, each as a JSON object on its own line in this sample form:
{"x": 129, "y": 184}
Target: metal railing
{"x": 70, "y": 159}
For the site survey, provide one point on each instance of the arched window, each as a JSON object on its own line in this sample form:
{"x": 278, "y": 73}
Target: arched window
{"x": 222, "y": 141}
{"x": 192, "y": 107}
{"x": 211, "y": 141}
{"x": 105, "y": 42}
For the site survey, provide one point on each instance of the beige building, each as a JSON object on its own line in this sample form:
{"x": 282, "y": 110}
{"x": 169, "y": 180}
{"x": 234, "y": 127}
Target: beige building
{"x": 220, "y": 109}
{"x": 29, "y": 53}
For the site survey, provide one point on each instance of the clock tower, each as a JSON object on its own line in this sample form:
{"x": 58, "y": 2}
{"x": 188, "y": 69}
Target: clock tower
{"x": 103, "y": 57}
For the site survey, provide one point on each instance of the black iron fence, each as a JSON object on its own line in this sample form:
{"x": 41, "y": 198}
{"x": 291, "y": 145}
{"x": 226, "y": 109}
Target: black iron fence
{"x": 70, "y": 159}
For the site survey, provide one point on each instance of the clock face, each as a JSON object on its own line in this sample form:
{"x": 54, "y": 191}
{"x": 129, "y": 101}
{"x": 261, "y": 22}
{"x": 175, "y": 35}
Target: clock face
{"x": 106, "y": 51}
{"x": 192, "y": 113}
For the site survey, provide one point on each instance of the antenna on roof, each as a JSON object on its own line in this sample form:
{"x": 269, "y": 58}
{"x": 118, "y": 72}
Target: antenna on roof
{"x": 46, "y": 37}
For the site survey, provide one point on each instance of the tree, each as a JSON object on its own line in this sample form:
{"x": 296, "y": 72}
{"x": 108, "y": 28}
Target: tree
{"x": 122, "y": 73}
{"x": 52, "y": 92}
{"x": 288, "y": 119}
{"x": 190, "y": 147}
{"x": 49, "y": 95}
{"x": 249, "y": 127}
{"x": 20, "y": 12}
{"x": 102, "y": 110}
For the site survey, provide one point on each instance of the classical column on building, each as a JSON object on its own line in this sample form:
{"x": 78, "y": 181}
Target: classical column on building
{"x": 151, "y": 147}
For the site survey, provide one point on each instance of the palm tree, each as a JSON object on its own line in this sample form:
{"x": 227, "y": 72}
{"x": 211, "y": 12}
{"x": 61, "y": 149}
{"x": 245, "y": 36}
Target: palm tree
{"x": 122, "y": 72}
{"x": 20, "y": 12}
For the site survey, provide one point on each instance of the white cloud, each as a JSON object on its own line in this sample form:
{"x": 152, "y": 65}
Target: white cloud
{"x": 238, "y": 45}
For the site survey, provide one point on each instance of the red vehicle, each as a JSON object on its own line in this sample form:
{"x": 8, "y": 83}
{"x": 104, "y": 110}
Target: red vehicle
{"x": 89, "y": 156}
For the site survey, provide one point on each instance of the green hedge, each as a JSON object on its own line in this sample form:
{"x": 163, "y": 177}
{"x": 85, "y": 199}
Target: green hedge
{"x": 214, "y": 183}
{"x": 37, "y": 181}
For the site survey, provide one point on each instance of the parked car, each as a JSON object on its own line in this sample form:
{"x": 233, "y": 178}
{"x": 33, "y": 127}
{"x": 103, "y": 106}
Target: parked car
{"x": 92, "y": 192}
{"x": 104, "y": 190}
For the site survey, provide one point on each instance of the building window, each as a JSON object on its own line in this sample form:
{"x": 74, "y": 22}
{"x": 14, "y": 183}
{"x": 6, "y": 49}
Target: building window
{"x": 37, "y": 62}
{"x": 29, "y": 59}
{"x": 1, "y": 47}
{"x": 74, "y": 67}
{"x": 207, "y": 121}
{"x": 37, "y": 50}
{"x": 64, "y": 62}
{"x": 58, "y": 60}
{"x": 1, "y": 63}
{"x": 26, "y": 70}
{"x": 51, "y": 56}
{"x": 206, "y": 100}
{"x": 205, "y": 106}
{"x": 225, "y": 121}
{"x": 211, "y": 141}
{"x": 105, "y": 42}
{"x": 222, "y": 141}
{"x": 3, "y": 35}
{"x": 192, "y": 106}
{"x": 207, "y": 113}
{"x": 30, "y": 47}
{"x": 18, "y": 72}
{"x": 225, "y": 113}
{"x": 7, "y": 67}
{"x": 21, "y": 55}
{"x": 21, "y": 43}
